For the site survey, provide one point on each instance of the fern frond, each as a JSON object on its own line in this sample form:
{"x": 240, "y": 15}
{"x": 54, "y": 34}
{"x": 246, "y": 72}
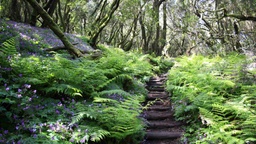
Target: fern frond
{"x": 115, "y": 91}
{"x": 249, "y": 131}
{"x": 99, "y": 135}
{"x": 79, "y": 116}
{"x": 119, "y": 79}
{"x": 208, "y": 117}
{"x": 9, "y": 46}
{"x": 102, "y": 100}
{"x": 64, "y": 88}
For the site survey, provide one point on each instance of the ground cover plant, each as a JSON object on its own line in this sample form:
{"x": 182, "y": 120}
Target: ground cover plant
{"x": 216, "y": 97}
{"x": 55, "y": 99}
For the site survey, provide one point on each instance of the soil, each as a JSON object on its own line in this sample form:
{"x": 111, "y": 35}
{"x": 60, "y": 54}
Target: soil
{"x": 161, "y": 125}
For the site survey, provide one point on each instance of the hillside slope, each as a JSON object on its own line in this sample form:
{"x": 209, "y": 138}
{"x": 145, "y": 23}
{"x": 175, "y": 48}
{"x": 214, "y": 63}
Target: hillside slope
{"x": 42, "y": 38}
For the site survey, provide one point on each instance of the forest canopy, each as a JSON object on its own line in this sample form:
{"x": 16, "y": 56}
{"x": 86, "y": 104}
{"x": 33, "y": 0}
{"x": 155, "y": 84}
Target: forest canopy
{"x": 170, "y": 27}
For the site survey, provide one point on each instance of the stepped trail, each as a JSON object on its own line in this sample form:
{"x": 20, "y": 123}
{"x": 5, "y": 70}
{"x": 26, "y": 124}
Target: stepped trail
{"x": 161, "y": 125}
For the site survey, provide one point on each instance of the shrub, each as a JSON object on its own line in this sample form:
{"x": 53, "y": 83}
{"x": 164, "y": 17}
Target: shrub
{"x": 211, "y": 90}
{"x": 58, "y": 100}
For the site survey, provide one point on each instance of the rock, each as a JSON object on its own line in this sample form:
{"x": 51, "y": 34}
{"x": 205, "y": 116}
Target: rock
{"x": 42, "y": 38}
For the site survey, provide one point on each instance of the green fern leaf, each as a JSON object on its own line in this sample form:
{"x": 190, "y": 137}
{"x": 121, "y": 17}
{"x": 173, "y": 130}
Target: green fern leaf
{"x": 80, "y": 116}
{"x": 102, "y": 100}
{"x": 9, "y": 46}
{"x": 99, "y": 135}
{"x": 116, "y": 91}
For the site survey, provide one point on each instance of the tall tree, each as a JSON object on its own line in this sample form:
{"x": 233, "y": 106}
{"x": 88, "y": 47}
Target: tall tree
{"x": 156, "y": 44}
{"x": 15, "y": 10}
{"x": 102, "y": 23}
{"x": 50, "y": 8}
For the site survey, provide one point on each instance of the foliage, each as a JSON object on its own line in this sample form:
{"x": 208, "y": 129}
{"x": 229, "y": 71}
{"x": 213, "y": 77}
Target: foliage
{"x": 60, "y": 75}
{"x": 212, "y": 90}
{"x": 53, "y": 99}
{"x": 9, "y": 46}
{"x": 162, "y": 64}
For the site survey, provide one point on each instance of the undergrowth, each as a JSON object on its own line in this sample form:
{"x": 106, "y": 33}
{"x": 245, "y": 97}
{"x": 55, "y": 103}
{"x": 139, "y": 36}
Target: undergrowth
{"x": 216, "y": 97}
{"x": 53, "y": 99}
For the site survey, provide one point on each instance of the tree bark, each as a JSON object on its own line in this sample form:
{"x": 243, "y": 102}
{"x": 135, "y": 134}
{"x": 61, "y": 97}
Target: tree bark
{"x": 103, "y": 23}
{"x": 51, "y": 6}
{"x": 240, "y": 17}
{"x": 164, "y": 30}
{"x": 15, "y": 10}
{"x": 143, "y": 35}
{"x": 156, "y": 43}
{"x": 33, "y": 17}
{"x": 54, "y": 27}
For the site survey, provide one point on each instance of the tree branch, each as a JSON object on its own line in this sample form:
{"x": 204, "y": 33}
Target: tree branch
{"x": 55, "y": 28}
{"x": 241, "y": 17}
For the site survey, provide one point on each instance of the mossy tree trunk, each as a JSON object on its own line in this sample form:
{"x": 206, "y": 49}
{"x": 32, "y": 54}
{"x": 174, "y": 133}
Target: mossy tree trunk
{"x": 54, "y": 27}
{"x": 156, "y": 46}
{"x": 103, "y": 23}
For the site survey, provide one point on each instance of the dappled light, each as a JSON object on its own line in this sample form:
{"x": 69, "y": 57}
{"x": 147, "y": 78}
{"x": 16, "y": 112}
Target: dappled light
{"x": 127, "y": 71}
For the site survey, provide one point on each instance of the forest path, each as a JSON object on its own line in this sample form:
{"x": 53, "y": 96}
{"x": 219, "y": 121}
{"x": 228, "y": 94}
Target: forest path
{"x": 161, "y": 125}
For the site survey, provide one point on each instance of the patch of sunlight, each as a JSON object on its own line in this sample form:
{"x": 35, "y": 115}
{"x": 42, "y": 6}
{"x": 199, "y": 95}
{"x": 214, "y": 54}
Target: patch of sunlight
{"x": 36, "y": 59}
{"x": 238, "y": 106}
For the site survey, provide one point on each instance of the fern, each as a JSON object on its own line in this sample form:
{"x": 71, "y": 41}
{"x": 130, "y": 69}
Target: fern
{"x": 120, "y": 92}
{"x": 84, "y": 111}
{"x": 208, "y": 117}
{"x": 99, "y": 135}
{"x": 119, "y": 79}
{"x": 103, "y": 100}
{"x": 118, "y": 118}
{"x": 249, "y": 132}
{"x": 93, "y": 133}
{"x": 9, "y": 46}
{"x": 79, "y": 116}
{"x": 65, "y": 89}
{"x": 211, "y": 89}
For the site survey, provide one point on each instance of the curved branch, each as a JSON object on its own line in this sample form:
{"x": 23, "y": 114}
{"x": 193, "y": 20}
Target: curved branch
{"x": 242, "y": 17}
{"x": 55, "y": 28}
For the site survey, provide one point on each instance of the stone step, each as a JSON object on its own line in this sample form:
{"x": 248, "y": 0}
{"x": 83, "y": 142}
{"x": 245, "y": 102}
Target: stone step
{"x": 157, "y": 116}
{"x": 160, "y": 124}
{"x": 163, "y": 141}
{"x": 163, "y": 102}
{"x": 163, "y": 135}
{"x": 152, "y": 83}
{"x": 154, "y": 86}
{"x": 158, "y": 89}
{"x": 157, "y": 77}
{"x": 157, "y": 80}
{"x": 157, "y": 92}
{"x": 159, "y": 108}
{"x": 153, "y": 97}
{"x": 155, "y": 83}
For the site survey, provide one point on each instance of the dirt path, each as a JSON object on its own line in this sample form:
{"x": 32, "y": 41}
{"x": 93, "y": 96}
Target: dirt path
{"x": 162, "y": 127}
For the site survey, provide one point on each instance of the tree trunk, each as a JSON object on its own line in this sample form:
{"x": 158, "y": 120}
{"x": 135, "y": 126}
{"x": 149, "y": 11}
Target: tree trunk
{"x": 33, "y": 17}
{"x": 237, "y": 40}
{"x": 143, "y": 34}
{"x": 164, "y": 30}
{"x": 156, "y": 44}
{"x": 51, "y": 6}
{"x": 129, "y": 45}
{"x": 103, "y": 23}
{"x": 15, "y": 10}
{"x": 63, "y": 25}
{"x": 54, "y": 27}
